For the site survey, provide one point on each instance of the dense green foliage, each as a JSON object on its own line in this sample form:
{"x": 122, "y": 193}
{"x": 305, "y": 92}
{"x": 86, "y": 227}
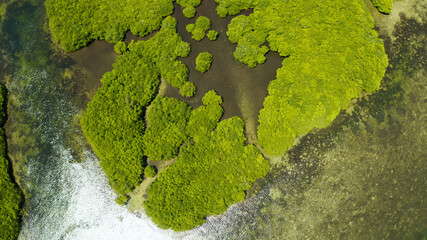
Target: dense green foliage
{"x": 75, "y": 23}
{"x": 384, "y": 6}
{"x": 166, "y": 119}
{"x": 332, "y": 55}
{"x": 212, "y": 35}
{"x": 209, "y": 174}
{"x": 120, "y": 47}
{"x": 10, "y": 195}
{"x": 188, "y": 89}
{"x": 189, "y": 12}
{"x": 114, "y": 122}
{"x": 198, "y": 30}
{"x": 203, "y": 62}
{"x": 150, "y": 171}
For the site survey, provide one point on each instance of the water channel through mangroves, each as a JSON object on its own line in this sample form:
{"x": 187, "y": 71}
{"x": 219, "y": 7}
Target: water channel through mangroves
{"x": 361, "y": 178}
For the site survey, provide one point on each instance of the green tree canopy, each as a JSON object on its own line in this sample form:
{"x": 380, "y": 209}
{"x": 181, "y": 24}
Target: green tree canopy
{"x": 114, "y": 120}
{"x": 331, "y": 53}
{"x": 198, "y": 30}
{"x": 212, "y": 35}
{"x": 75, "y": 23}
{"x": 150, "y": 171}
{"x": 203, "y": 62}
{"x": 189, "y": 12}
{"x": 209, "y": 174}
{"x": 10, "y": 195}
{"x": 166, "y": 120}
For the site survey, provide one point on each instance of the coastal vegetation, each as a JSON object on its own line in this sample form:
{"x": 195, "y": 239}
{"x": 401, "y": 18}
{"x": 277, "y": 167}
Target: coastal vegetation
{"x": 203, "y": 62}
{"x": 166, "y": 119}
{"x": 113, "y": 122}
{"x": 198, "y": 30}
{"x": 210, "y": 173}
{"x": 189, "y": 12}
{"x": 120, "y": 47}
{"x": 10, "y": 195}
{"x": 212, "y": 35}
{"x": 74, "y": 24}
{"x": 384, "y": 6}
{"x": 331, "y": 53}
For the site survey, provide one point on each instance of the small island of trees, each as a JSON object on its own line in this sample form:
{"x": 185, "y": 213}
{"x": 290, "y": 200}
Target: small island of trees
{"x": 189, "y": 12}
{"x": 212, "y": 35}
{"x": 198, "y": 30}
{"x": 331, "y": 54}
{"x": 203, "y": 62}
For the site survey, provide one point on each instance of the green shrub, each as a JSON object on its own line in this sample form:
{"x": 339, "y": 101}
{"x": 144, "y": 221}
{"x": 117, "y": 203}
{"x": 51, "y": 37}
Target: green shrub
{"x": 203, "y": 23}
{"x": 150, "y": 171}
{"x": 329, "y": 61}
{"x": 190, "y": 27}
{"x": 212, "y": 35}
{"x": 209, "y": 174}
{"x": 203, "y": 62}
{"x": 199, "y": 29}
{"x": 189, "y": 12}
{"x": 120, "y": 47}
{"x": 114, "y": 123}
{"x": 384, "y": 6}
{"x": 188, "y": 90}
{"x": 10, "y": 195}
{"x": 122, "y": 200}
{"x": 188, "y": 3}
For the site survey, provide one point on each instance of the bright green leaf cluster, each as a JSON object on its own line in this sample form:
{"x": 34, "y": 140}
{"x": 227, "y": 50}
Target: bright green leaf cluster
{"x": 199, "y": 29}
{"x": 189, "y": 12}
{"x": 75, "y": 23}
{"x": 10, "y": 195}
{"x": 210, "y": 173}
{"x": 332, "y": 55}
{"x": 150, "y": 171}
{"x": 212, "y": 35}
{"x": 166, "y": 119}
{"x": 384, "y": 6}
{"x": 233, "y": 7}
{"x": 189, "y": 3}
{"x": 188, "y": 89}
{"x": 114, "y": 120}
{"x": 203, "y": 62}
{"x": 120, "y": 47}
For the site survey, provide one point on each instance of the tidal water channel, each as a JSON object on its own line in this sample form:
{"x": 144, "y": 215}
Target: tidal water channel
{"x": 361, "y": 178}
